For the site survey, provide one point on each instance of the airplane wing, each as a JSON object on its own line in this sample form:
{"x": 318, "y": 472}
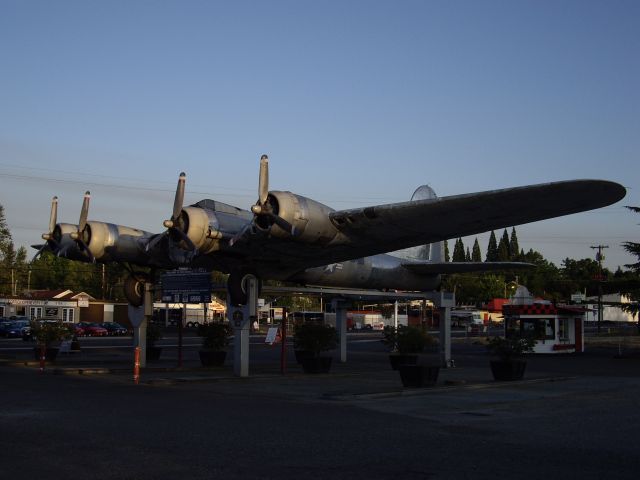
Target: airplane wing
{"x": 385, "y": 228}
{"x": 437, "y": 268}
{"x": 378, "y": 229}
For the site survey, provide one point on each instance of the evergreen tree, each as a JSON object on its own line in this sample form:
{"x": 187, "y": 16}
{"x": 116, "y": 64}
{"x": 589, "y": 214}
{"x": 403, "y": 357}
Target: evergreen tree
{"x": 633, "y": 248}
{"x": 447, "y": 257}
{"x": 503, "y": 247}
{"x": 633, "y": 292}
{"x": 458, "y": 251}
{"x": 514, "y": 248}
{"x": 492, "y": 248}
{"x": 467, "y": 255}
{"x": 476, "y": 255}
{"x": 7, "y": 258}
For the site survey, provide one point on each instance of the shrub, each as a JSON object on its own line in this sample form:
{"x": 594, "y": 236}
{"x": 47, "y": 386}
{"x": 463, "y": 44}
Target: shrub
{"x": 511, "y": 347}
{"x": 315, "y": 338}
{"x": 406, "y": 339}
{"x": 215, "y": 336}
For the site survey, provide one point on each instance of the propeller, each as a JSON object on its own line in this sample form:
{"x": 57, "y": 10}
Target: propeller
{"x": 78, "y": 235}
{"x": 175, "y": 224}
{"x": 50, "y": 240}
{"x": 264, "y": 208}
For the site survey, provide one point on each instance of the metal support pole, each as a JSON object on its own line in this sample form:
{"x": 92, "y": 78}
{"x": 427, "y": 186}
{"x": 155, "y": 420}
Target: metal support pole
{"x": 445, "y": 336}
{"x": 240, "y": 319}
{"x": 140, "y": 330}
{"x": 283, "y": 341}
{"x": 341, "y": 327}
{"x": 395, "y": 315}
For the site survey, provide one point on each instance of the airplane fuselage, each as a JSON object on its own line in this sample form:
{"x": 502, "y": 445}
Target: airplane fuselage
{"x": 379, "y": 272}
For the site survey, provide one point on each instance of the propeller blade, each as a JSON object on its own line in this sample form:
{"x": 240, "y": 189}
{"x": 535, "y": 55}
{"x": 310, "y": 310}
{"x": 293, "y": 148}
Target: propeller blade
{"x": 84, "y": 247}
{"x": 186, "y": 239}
{"x": 177, "y": 203}
{"x": 53, "y": 217}
{"x": 284, "y": 225}
{"x": 263, "y": 180}
{"x": 84, "y": 213}
{"x": 155, "y": 240}
{"x": 39, "y": 252}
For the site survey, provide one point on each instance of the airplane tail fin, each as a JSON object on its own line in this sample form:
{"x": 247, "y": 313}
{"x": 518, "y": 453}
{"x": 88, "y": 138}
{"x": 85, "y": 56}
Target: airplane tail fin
{"x": 433, "y": 252}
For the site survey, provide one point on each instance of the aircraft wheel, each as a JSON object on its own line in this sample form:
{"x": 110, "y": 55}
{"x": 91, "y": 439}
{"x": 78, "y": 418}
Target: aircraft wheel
{"x": 134, "y": 289}
{"x": 237, "y": 288}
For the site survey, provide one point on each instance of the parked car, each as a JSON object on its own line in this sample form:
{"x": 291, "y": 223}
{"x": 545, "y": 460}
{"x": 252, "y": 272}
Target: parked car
{"x": 78, "y": 331}
{"x": 114, "y": 328}
{"x": 13, "y": 329}
{"x": 93, "y": 329}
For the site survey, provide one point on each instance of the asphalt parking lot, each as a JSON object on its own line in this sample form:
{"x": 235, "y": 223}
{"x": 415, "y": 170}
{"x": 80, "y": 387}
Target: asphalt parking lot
{"x": 572, "y": 415}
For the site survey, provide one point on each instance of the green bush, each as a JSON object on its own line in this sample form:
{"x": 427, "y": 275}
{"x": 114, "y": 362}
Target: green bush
{"x": 315, "y": 338}
{"x": 215, "y": 336}
{"x": 406, "y": 339}
{"x": 48, "y": 332}
{"x": 511, "y": 347}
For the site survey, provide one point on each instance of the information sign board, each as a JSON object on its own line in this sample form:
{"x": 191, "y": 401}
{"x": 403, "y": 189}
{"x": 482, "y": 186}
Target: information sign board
{"x": 186, "y": 286}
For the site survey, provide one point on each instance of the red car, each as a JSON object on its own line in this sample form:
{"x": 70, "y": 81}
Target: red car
{"x": 93, "y": 329}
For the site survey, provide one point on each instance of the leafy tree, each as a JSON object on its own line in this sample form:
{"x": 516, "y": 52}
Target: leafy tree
{"x": 539, "y": 279}
{"x": 492, "y": 248}
{"x": 476, "y": 254}
{"x": 13, "y": 265}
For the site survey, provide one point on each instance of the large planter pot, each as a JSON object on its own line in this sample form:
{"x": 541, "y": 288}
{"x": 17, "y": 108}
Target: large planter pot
{"x": 50, "y": 353}
{"x": 212, "y": 358}
{"x": 508, "y": 370}
{"x": 397, "y": 359}
{"x": 300, "y": 354}
{"x": 417, "y": 376}
{"x": 153, "y": 353}
{"x": 316, "y": 364}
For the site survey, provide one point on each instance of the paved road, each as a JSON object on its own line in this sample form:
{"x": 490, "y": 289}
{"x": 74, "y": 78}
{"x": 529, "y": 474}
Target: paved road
{"x": 575, "y": 415}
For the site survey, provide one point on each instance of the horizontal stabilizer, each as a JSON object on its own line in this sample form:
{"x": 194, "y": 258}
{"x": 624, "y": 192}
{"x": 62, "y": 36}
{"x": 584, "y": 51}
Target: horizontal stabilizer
{"x": 432, "y": 268}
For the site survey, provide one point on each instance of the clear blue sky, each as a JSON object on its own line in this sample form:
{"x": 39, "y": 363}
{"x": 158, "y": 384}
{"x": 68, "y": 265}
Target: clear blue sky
{"x": 356, "y": 103}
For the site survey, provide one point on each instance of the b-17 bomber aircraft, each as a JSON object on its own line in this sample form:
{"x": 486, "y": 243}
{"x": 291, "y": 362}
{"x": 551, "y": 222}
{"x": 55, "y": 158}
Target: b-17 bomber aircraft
{"x": 292, "y": 238}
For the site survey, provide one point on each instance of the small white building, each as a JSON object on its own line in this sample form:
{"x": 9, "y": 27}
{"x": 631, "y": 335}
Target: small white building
{"x": 611, "y": 309}
{"x": 556, "y": 328}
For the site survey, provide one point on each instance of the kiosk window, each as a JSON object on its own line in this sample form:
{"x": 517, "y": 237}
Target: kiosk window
{"x": 539, "y": 328}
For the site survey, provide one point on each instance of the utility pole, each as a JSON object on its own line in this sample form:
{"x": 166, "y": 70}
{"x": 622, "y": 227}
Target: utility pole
{"x": 599, "y": 259}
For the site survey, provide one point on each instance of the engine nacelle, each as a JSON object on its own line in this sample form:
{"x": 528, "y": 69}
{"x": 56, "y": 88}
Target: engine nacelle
{"x": 197, "y": 223}
{"x": 66, "y": 246}
{"x": 310, "y": 218}
{"x": 110, "y": 242}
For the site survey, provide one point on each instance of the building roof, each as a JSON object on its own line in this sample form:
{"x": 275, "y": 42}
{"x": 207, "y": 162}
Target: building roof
{"x": 55, "y": 295}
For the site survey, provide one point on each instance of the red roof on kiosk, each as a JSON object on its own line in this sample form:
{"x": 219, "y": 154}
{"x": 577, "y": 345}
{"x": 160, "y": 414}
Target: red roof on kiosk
{"x": 541, "y": 309}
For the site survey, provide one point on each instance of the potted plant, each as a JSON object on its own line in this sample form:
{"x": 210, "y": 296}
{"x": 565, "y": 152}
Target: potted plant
{"x": 410, "y": 342}
{"x": 48, "y": 335}
{"x": 405, "y": 344}
{"x": 154, "y": 333}
{"x": 313, "y": 339}
{"x": 508, "y": 362}
{"x": 215, "y": 339}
